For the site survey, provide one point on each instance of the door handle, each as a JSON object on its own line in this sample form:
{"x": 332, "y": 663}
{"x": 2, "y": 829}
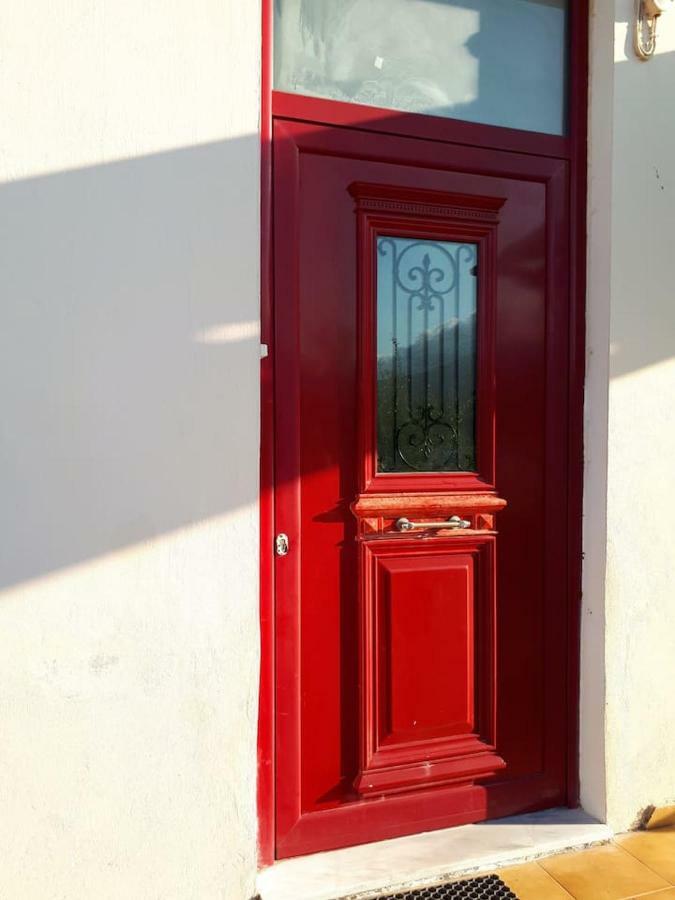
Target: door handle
{"x": 453, "y": 522}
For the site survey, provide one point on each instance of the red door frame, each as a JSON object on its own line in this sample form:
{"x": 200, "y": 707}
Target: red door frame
{"x": 572, "y": 148}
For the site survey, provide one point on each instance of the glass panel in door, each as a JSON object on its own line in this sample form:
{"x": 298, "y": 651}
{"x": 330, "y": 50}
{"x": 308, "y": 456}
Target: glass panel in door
{"x": 426, "y": 355}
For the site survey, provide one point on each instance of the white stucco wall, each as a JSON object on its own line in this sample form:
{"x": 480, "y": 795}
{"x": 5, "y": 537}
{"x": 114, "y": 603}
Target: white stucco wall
{"x": 129, "y": 258}
{"x": 129, "y": 248}
{"x": 632, "y": 332}
{"x": 592, "y": 763}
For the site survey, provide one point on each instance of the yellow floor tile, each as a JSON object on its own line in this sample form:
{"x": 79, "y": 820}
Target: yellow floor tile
{"x": 668, "y": 894}
{"x": 656, "y": 849}
{"x": 602, "y": 873}
{"x": 664, "y": 815}
{"x": 531, "y": 882}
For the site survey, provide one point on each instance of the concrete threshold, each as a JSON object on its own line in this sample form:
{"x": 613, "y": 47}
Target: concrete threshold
{"x": 421, "y": 859}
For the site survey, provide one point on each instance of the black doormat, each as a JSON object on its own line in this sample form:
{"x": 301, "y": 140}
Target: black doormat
{"x": 487, "y": 887}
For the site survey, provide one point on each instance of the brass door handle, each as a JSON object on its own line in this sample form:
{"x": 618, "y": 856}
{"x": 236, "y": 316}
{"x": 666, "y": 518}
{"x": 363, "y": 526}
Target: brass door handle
{"x": 454, "y": 522}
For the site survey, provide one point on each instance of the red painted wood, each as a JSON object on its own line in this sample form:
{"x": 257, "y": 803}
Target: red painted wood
{"x": 427, "y": 671}
{"x": 420, "y": 645}
{"x": 378, "y": 513}
{"x": 387, "y": 121}
{"x": 288, "y": 747}
{"x": 317, "y": 472}
{"x": 433, "y": 215}
{"x": 337, "y": 825}
{"x": 415, "y": 812}
{"x": 436, "y": 504}
{"x": 578, "y": 115}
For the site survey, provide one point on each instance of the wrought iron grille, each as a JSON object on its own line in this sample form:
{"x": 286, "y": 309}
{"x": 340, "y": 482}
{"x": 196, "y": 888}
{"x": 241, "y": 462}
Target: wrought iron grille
{"x": 426, "y": 351}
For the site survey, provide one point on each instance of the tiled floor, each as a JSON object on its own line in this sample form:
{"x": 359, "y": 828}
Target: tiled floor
{"x": 640, "y": 864}
{"x": 382, "y": 868}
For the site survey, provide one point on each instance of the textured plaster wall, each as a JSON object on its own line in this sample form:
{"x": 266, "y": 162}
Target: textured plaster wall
{"x": 592, "y": 763}
{"x": 632, "y": 331}
{"x": 129, "y": 257}
{"x": 641, "y": 482}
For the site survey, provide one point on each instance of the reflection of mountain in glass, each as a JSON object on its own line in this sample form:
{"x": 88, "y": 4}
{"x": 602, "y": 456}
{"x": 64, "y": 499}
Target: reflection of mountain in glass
{"x": 426, "y": 341}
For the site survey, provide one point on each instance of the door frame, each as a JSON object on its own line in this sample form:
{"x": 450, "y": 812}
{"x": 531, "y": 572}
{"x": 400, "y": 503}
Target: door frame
{"x": 573, "y": 148}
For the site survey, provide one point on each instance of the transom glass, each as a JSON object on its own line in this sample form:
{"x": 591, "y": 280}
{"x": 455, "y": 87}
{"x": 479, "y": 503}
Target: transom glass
{"x": 500, "y": 62}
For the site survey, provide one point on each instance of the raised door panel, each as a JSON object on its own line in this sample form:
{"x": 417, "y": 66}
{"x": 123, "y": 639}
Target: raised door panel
{"x": 428, "y": 663}
{"x": 425, "y": 646}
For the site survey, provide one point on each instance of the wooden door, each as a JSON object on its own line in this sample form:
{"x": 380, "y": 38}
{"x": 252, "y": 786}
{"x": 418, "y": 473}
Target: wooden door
{"x": 421, "y": 608}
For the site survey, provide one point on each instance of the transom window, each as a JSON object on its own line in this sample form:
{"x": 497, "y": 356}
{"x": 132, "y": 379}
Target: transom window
{"x": 499, "y": 62}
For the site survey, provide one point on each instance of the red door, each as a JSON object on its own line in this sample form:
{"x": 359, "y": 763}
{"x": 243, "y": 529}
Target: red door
{"x": 421, "y": 372}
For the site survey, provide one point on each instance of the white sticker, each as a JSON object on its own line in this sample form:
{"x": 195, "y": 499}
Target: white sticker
{"x": 379, "y": 62}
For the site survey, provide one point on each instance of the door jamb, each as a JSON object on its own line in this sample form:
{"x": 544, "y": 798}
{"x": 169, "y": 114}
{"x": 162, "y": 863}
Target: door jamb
{"x": 578, "y": 130}
{"x": 266, "y": 767}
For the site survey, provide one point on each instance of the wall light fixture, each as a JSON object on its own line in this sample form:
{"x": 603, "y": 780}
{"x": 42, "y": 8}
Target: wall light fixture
{"x": 647, "y": 14}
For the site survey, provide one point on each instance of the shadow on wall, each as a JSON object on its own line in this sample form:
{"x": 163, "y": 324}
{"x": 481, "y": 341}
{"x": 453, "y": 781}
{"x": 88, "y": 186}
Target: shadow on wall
{"x": 128, "y": 353}
{"x": 129, "y": 347}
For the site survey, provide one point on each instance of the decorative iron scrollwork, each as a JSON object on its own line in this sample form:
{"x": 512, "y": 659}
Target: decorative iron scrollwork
{"x": 426, "y": 355}
{"x": 427, "y": 437}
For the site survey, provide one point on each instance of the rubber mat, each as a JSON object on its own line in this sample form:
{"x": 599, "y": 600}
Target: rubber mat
{"x": 485, "y": 887}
